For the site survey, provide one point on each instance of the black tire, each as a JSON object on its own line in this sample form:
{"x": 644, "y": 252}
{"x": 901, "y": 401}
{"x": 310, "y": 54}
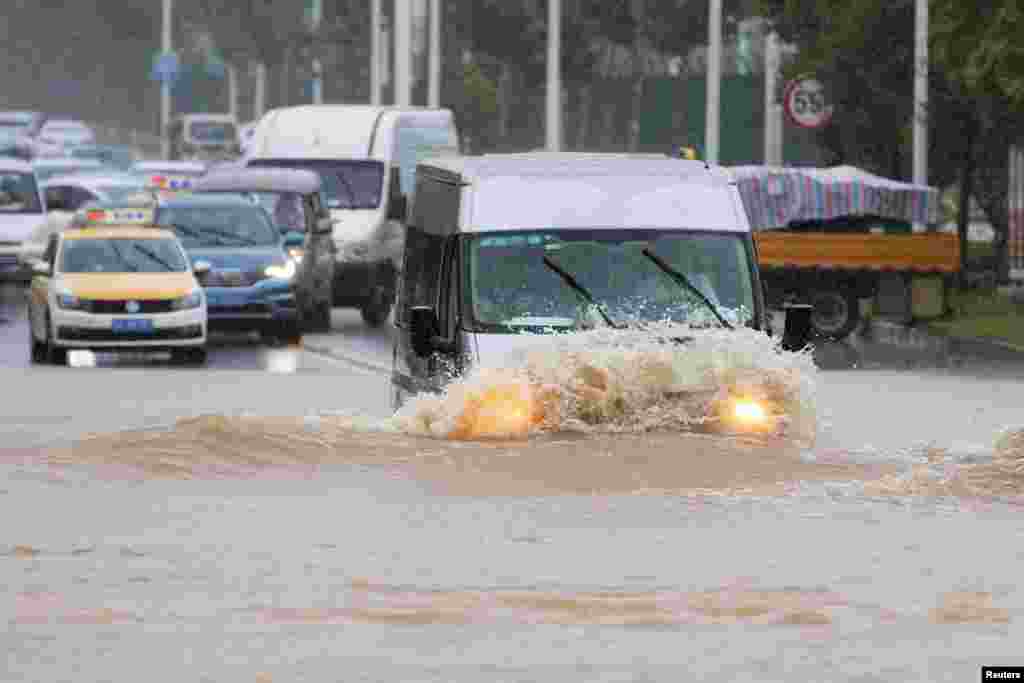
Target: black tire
{"x": 55, "y": 355}
{"x": 37, "y": 348}
{"x": 836, "y": 313}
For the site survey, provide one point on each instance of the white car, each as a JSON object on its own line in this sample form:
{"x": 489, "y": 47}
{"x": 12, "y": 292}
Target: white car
{"x": 117, "y": 287}
{"x": 22, "y": 212}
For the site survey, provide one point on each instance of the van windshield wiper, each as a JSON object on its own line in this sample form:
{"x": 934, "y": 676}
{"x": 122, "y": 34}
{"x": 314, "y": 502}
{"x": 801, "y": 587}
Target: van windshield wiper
{"x": 579, "y": 289}
{"x": 684, "y": 281}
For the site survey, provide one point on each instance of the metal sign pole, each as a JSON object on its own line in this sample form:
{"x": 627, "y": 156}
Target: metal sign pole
{"x": 165, "y": 83}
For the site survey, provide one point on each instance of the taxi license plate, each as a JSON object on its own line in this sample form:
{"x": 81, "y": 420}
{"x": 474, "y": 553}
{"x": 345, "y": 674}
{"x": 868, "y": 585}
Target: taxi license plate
{"x": 132, "y": 325}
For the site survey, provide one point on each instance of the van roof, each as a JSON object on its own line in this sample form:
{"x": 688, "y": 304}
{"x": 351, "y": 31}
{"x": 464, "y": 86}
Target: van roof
{"x": 311, "y": 129}
{"x": 590, "y": 191}
{"x": 556, "y": 164}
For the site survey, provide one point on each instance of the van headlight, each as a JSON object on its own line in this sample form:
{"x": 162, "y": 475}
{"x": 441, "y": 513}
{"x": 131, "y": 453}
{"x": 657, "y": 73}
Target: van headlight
{"x": 193, "y": 299}
{"x": 70, "y": 302}
{"x": 283, "y": 271}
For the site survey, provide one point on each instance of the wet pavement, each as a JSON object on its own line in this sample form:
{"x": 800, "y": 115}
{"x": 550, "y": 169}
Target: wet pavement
{"x": 340, "y": 570}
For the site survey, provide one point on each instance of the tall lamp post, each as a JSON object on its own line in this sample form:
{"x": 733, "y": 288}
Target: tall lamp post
{"x": 553, "y": 123}
{"x": 714, "y": 77}
{"x": 165, "y": 84}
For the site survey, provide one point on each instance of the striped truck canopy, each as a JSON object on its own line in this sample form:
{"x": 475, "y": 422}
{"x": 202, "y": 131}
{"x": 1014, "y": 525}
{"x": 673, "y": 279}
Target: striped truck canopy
{"x": 776, "y": 196}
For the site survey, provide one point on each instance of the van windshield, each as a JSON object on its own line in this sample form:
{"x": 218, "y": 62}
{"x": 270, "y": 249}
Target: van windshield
{"x": 511, "y": 285}
{"x": 346, "y": 183}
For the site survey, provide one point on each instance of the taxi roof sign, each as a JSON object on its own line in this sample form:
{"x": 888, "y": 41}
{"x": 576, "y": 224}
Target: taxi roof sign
{"x": 174, "y": 183}
{"x": 137, "y": 216}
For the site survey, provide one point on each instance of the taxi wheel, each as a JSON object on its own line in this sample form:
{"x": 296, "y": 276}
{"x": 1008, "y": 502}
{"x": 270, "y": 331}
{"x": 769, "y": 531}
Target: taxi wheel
{"x": 38, "y": 347}
{"x": 57, "y": 355}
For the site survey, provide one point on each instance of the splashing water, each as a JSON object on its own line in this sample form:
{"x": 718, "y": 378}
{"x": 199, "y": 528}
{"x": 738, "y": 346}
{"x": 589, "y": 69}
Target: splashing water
{"x": 624, "y": 381}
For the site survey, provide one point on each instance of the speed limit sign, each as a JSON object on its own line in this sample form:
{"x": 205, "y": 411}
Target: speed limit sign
{"x": 805, "y": 103}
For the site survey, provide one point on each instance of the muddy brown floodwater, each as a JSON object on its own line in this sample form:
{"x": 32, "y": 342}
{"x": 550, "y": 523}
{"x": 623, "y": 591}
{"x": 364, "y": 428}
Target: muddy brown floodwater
{"x": 222, "y": 446}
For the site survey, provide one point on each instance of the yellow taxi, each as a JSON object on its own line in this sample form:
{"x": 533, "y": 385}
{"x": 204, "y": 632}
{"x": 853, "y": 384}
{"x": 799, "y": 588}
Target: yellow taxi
{"x": 116, "y": 287}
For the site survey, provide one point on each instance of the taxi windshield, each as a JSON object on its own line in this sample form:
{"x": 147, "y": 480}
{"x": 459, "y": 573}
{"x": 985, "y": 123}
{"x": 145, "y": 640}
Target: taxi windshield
{"x": 220, "y": 226}
{"x": 512, "y": 285}
{"x": 122, "y": 255}
{"x": 18, "y": 193}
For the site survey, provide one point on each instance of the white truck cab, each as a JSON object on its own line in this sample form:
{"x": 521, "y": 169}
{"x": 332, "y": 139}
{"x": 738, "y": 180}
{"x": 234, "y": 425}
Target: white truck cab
{"x": 366, "y": 157}
{"x": 503, "y": 250}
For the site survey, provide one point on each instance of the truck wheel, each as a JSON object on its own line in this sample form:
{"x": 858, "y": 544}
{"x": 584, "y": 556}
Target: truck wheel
{"x": 836, "y": 313}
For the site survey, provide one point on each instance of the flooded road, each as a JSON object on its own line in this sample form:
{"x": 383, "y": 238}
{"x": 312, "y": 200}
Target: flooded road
{"x": 350, "y": 553}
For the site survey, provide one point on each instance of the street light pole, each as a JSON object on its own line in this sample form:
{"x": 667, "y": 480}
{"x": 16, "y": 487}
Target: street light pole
{"x": 375, "y": 52}
{"x": 714, "y": 76}
{"x": 434, "y": 91}
{"x": 165, "y": 84}
{"x": 553, "y": 125}
{"x": 403, "y": 53}
{"x": 921, "y": 93}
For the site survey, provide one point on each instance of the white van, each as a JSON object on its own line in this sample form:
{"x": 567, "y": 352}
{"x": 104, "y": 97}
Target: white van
{"x": 366, "y": 157}
{"x": 502, "y": 245}
{"x": 22, "y": 212}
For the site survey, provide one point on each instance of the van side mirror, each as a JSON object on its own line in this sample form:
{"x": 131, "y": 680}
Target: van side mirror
{"x": 424, "y": 329}
{"x": 201, "y": 268}
{"x": 798, "y": 327}
{"x": 397, "y": 207}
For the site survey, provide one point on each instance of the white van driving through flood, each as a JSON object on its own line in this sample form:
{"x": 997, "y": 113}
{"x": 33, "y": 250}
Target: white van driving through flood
{"x": 504, "y": 249}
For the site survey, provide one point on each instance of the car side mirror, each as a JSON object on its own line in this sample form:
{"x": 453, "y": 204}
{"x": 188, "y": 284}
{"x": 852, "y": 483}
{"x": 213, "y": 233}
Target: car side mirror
{"x": 798, "y": 327}
{"x": 397, "y": 207}
{"x": 423, "y": 328}
{"x": 201, "y": 268}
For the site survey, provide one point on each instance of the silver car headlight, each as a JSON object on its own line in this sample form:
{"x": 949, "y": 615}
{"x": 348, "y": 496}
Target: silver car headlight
{"x": 193, "y": 299}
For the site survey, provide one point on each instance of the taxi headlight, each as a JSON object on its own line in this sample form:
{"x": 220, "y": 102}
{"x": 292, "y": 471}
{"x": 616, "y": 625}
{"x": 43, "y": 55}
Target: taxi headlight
{"x": 193, "y": 299}
{"x": 296, "y": 253}
{"x": 69, "y": 301}
{"x": 283, "y": 271}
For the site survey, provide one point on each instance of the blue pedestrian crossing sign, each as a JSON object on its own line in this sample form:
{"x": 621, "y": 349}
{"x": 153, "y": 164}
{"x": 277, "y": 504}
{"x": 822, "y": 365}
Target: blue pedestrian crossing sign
{"x": 165, "y": 67}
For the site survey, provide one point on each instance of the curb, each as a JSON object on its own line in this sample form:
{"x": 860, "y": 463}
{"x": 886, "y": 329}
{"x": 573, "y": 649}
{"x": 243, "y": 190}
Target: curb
{"x": 350, "y": 358}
